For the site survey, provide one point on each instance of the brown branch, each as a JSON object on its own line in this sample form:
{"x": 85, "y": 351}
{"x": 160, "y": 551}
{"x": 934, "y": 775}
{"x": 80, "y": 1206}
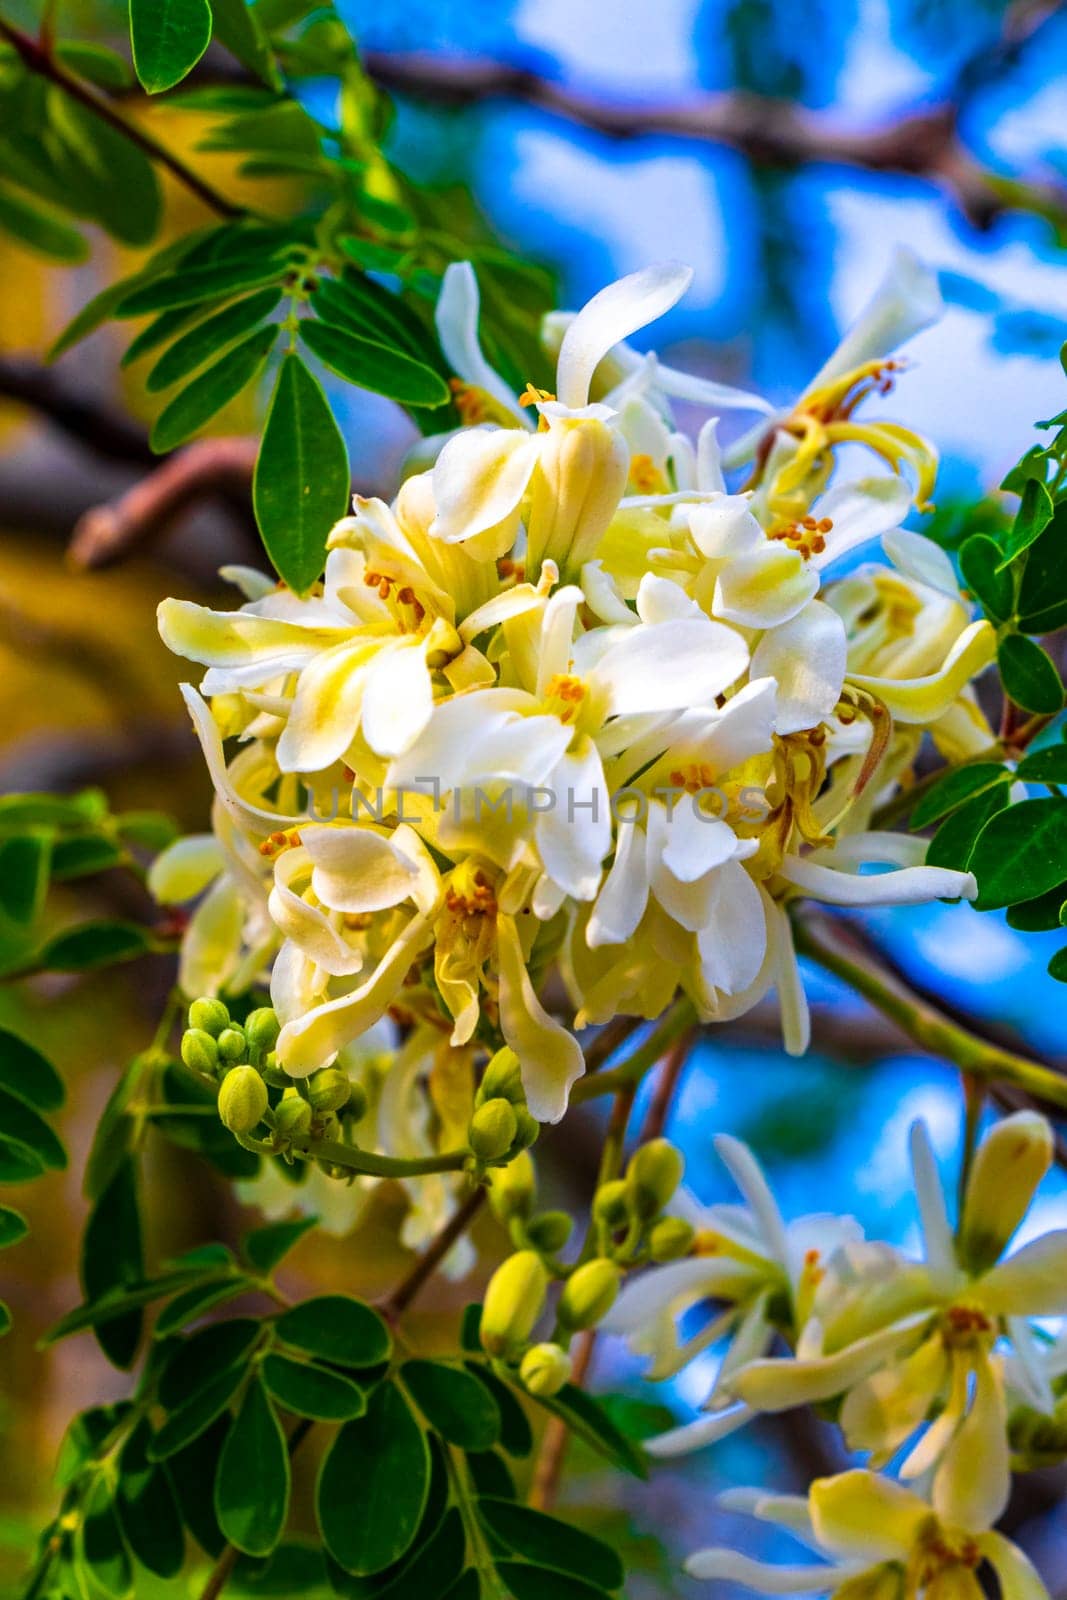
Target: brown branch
{"x": 90, "y": 421}
{"x": 40, "y": 61}
{"x": 666, "y": 1085}
{"x": 770, "y": 132}
{"x": 556, "y": 1438}
{"x": 400, "y": 1298}
{"x": 107, "y": 533}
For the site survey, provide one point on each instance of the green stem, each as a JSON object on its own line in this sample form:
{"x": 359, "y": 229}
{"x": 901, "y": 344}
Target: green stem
{"x": 41, "y": 62}
{"x": 363, "y": 1161}
{"x": 630, "y": 1072}
{"x": 928, "y": 1027}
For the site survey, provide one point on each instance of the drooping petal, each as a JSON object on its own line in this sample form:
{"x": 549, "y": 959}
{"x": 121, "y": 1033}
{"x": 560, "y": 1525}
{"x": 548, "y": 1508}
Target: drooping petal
{"x": 858, "y": 1514}
{"x": 211, "y": 945}
{"x": 860, "y": 510}
{"x": 695, "y": 1435}
{"x": 575, "y": 836}
{"x": 610, "y": 317}
{"x": 357, "y": 870}
{"x": 324, "y": 717}
{"x": 185, "y": 868}
{"x": 307, "y": 925}
{"x": 908, "y": 886}
{"x": 807, "y": 657}
{"x": 779, "y": 1384}
{"x": 549, "y": 1055}
{"x": 1032, "y": 1282}
{"x": 887, "y": 1406}
{"x": 479, "y": 480}
{"x": 920, "y": 558}
{"x": 732, "y": 944}
{"x": 1017, "y": 1577}
{"x": 973, "y": 1481}
{"x": 248, "y": 817}
{"x": 927, "y": 698}
{"x": 730, "y": 1566}
{"x": 706, "y": 392}
{"x": 621, "y": 902}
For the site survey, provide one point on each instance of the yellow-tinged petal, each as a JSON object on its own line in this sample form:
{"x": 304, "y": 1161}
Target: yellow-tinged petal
{"x": 185, "y": 868}
{"x": 1009, "y": 1164}
{"x": 858, "y": 1514}
{"x": 1017, "y": 1577}
{"x": 549, "y": 1055}
{"x": 926, "y": 699}
{"x": 781, "y": 1384}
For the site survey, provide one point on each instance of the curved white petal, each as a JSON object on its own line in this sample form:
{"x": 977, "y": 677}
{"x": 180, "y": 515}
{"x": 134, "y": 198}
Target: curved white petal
{"x": 185, "y": 868}
{"x": 621, "y": 902}
{"x": 695, "y": 1435}
{"x": 609, "y": 318}
{"x": 668, "y": 666}
{"x": 906, "y": 301}
{"x": 731, "y": 1567}
{"x": 807, "y": 657}
{"x": 456, "y": 320}
{"x": 926, "y": 698}
{"x": 1032, "y": 1282}
{"x": 764, "y": 587}
{"x": 550, "y": 1057}
{"x": 930, "y": 1197}
{"x": 907, "y": 886}
{"x": 479, "y": 480}
{"x": 397, "y": 699}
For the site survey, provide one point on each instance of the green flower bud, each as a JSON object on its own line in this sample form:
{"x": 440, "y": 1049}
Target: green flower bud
{"x": 242, "y": 1099}
{"x": 544, "y": 1369}
{"x": 1008, "y": 1166}
{"x": 292, "y": 1117}
{"x": 550, "y": 1231}
{"x": 670, "y": 1239}
{"x": 588, "y": 1294}
{"x": 492, "y": 1130}
{"x": 211, "y": 1015}
{"x": 328, "y": 1089}
{"x": 262, "y": 1029}
{"x": 513, "y": 1189}
{"x": 655, "y": 1171}
{"x": 513, "y": 1302}
{"x": 199, "y": 1051}
{"x": 528, "y": 1128}
{"x": 502, "y": 1079}
{"x": 356, "y": 1109}
{"x": 611, "y": 1204}
{"x": 232, "y": 1044}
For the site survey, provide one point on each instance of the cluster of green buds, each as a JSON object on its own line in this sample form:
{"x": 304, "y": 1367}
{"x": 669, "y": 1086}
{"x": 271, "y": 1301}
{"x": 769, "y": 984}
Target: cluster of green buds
{"x": 254, "y": 1090}
{"x": 501, "y": 1126}
{"x": 628, "y": 1212}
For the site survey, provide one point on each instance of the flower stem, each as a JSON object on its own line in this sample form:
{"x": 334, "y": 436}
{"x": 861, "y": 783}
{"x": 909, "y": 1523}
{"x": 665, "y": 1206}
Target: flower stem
{"x": 630, "y": 1072}
{"x": 925, "y": 1024}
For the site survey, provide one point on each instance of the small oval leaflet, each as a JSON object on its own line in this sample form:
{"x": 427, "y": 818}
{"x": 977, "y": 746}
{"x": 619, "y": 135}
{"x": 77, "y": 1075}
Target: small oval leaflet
{"x": 336, "y": 1327}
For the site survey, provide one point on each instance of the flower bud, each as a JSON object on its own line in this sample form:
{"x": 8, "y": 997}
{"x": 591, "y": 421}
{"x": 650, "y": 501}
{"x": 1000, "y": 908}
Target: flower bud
{"x": 492, "y": 1130}
{"x": 262, "y": 1029}
{"x": 544, "y": 1369}
{"x": 210, "y": 1015}
{"x": 513, "y": 1189}
{"x": 356, "y": 1106}
{"x": 328, "y": 1089}
{"x": 574, "y": 493}
{"x": 655, "y": 1171}
{"x": 513, "y": 1302}
{"x": 502, "y": 1079}
{"x": 528, "y": 1129}
{"x": 588, "y": 1294}
{"x": 292, "y": 1117}
{"x": 199, "y": 1051}
{"x": 550, "y": 1231}
{"x": 242, "y": 1099}
{"x": 232, "y": 1044}
{"x": 670, "y": 1239}
{"x": 1008, "y": 1166}
{"x": 611, "y": 1204}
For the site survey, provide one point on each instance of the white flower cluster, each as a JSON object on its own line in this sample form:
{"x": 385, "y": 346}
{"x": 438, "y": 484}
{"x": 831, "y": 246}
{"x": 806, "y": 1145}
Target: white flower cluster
{"x": 569, "y": 724}
{"x": 925, "y": 1360}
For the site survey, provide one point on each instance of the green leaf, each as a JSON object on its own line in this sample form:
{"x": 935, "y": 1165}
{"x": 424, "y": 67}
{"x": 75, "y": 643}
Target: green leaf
{"x": 1021, "y": 853}
{"x": 24, "y": 863}
{"x": 94, "y": 944}
{"x": 102, "y": 1547}
{"x": 160, "y": 331}
{"x": 215, "y": 388}
{"x": 22, "y": 1124}
{"x": 204, "y": 1357}
{"x": 168, "y": 38}
{"x": 39, "y": 230}
{"x": 375, "y": 366}
{"x": 468, "y": 1587}
{"x": 302, "y": 481}
{"x": 265, "y": 1247}
{"x": 199, "y": 1412}
{"x": 1041, "y": 914}
{"x": 79, "y": 857}
{"x": 238, "y": 28}
{"x": 1057, "y": 967}
{"x": 253, "y": 1480}
{"x": 192, "y": 1473}
{"x": 433, "y": 1566}
{"x": 211, "y": 336}
{"x": 18, "y": 1162}
{"x": 372, "y": 312}
{"x": 336, "y": 1328}
{"x": 13, "y": 1227}
{"x": 991, "y": 586}
{"x": 384, "y": 1453}
{"x": 1029, "y": 675}
{"x": 154, "y": 830}
{"x": 311, "y": 1391}
{"x": 956, "y": 786}
{"x": 190, "y": 286}
{"x": 490, "y": 1475}
{"x": 112, "y": 1257}
{"x": 28, "y": 1074}
{"x": 193, "y": 1302}
{"x": 104, "y": 67}
{"x": 548, "y": 1542}
{"x": 1031, "y": 520}
{"x": 454, "y": 1402}
{"x": 953, "y": 844}
{"x": 516, "y": 1435}
{"x": 113, "y": 1304}
{"x": 1042, "y": 604}
{"x": 591, "y": 1422}
{"x": 1044, "y": 766}
{"x": 539, "y": 1583}
{"x": 147, "y": 1511}
{"x": 104, "y": 175}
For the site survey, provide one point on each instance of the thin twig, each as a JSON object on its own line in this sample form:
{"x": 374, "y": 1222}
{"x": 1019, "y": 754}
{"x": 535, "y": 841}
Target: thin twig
{"x": 90, "y": 422}
{"x": 400, "y": 1298}
{"x": 107, "y": 533}
{"x": 770, "y": 132}
{"x": 666, "y": 1085}
{"x": 45, "y": 65}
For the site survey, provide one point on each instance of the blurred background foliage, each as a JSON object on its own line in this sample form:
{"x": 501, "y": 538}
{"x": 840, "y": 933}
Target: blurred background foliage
{"x": 588, "y": 137}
